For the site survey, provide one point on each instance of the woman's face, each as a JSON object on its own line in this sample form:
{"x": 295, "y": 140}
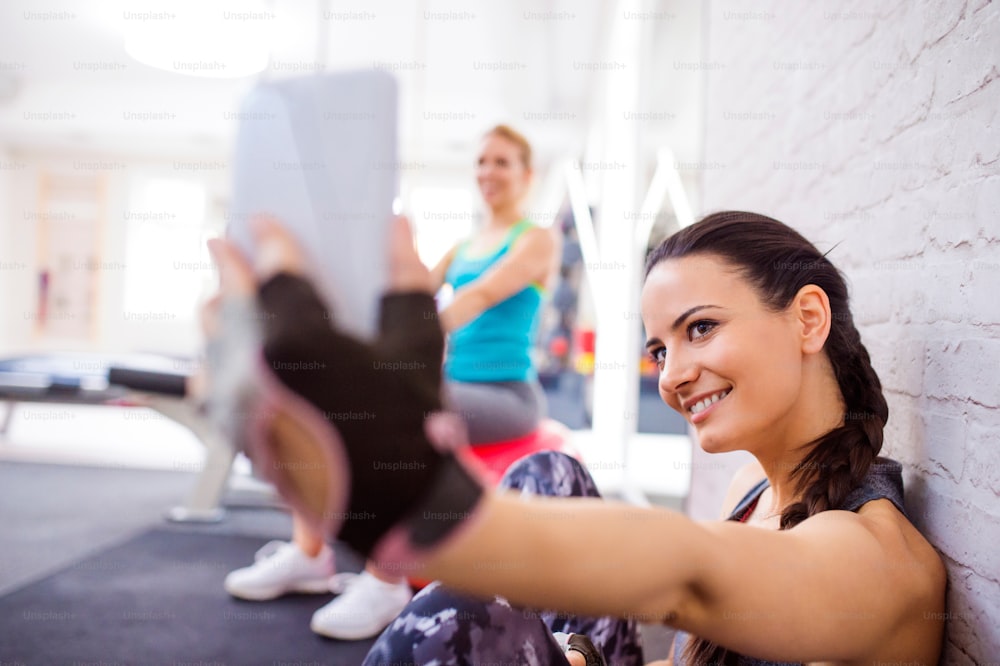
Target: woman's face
{"x": 501, "y": 174}
{"x": 729, "y": 365}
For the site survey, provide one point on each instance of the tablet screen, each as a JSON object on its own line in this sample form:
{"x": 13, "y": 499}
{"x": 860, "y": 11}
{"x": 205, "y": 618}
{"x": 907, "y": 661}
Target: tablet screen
{"x": 319, "y": 153}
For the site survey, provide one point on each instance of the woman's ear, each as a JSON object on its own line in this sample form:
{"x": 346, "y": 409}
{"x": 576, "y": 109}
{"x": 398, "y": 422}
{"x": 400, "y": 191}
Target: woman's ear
{"x": 811, "y": 308}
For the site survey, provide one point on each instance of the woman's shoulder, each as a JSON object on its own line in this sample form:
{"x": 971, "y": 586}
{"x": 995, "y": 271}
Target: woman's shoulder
{"x": 908, "y": 558}
{"x": 533, "y": 240}
{"x": 528, "y": 230}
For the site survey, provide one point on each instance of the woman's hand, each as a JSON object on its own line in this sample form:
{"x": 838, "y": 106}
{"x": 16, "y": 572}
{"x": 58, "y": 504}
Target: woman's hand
{"x": 406, "y": 271}
{"x": 346, "y": 429}
{"x": 277, "y": 251}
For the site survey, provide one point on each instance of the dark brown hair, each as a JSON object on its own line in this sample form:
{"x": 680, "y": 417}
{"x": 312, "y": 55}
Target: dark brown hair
{"x": 777, "y": 261}
{"x": 515, "y": 137}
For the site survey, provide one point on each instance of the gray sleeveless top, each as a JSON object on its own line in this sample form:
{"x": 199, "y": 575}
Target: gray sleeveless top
{"x": 884, "y": 481}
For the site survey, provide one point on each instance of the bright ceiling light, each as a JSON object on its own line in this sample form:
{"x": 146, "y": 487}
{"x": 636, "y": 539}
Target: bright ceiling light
{"x": 214, "y": 38}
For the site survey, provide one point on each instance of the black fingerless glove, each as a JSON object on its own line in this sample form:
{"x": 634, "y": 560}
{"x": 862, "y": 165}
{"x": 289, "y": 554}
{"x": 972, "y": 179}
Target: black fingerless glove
{"x": 380, "y": 404}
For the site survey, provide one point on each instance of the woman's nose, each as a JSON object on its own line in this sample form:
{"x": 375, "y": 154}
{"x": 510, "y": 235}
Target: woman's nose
{"x": 678, "y": 369}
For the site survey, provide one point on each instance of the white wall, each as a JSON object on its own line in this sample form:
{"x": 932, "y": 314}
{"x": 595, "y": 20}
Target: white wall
{"x": 18, "y": 289}
{"x": 9, "y": 262}
{"x": 875, "y": 125}
{"x": 116, "y": 330}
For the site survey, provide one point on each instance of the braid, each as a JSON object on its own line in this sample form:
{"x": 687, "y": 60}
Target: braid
{"x": 777, "y": 261}
{"x": 840, "y": 459}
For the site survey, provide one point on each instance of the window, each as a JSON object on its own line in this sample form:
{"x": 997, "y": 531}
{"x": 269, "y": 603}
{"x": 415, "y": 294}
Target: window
{"x": 168, "y": 268}
{"x": 441, "y": 217}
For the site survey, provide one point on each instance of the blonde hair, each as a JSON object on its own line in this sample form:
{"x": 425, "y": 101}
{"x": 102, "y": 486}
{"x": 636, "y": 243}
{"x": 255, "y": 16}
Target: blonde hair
{"x": 515, "y": 137}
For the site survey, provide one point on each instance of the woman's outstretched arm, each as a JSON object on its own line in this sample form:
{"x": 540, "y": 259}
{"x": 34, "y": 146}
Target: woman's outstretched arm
{"x": 835, "y": 587}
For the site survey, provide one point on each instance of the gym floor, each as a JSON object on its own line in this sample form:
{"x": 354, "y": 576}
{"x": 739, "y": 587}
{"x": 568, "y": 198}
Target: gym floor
{"x": 55, "y": 515}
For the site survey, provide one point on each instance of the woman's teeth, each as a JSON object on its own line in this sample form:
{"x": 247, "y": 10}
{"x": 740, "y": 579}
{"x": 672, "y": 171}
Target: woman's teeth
{"x": 702, "y": 405}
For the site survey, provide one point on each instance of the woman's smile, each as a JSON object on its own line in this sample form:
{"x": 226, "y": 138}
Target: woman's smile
{"x": 701, "y": 406}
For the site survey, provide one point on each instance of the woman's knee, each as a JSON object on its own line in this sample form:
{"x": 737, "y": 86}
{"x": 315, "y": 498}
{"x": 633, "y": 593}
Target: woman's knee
{"x": 550, "y": 473}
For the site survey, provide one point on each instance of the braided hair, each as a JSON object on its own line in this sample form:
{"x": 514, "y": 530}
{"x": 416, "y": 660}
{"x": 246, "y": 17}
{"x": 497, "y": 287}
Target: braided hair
{"x": 777, "y": 262}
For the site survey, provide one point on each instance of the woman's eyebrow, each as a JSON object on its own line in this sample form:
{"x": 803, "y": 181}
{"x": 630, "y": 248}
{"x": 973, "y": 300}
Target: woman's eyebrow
{"x": 687, "y": 313}
{"x": 680, "y": 320}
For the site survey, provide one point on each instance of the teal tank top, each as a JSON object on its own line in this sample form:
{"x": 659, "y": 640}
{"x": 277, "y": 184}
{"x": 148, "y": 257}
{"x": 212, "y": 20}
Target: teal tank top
{"x": 496, "y": 345}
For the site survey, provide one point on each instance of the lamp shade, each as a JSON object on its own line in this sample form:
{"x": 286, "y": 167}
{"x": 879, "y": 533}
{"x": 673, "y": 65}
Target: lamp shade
{"x": 213, "y": 38}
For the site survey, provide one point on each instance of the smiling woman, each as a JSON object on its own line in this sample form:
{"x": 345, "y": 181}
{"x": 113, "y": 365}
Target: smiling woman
{"x": 764, "y": 357}
{"x": 743, "y": 282}
{"x": 749, "y": 323}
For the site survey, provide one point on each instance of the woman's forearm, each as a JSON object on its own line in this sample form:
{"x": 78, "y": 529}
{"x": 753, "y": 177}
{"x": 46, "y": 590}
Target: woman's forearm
{"x": 578, "y": 555}
{"x": 467, "y": 305}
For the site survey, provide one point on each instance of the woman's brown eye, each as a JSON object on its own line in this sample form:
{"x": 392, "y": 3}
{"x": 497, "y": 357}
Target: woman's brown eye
{"x": 700, "y": 329}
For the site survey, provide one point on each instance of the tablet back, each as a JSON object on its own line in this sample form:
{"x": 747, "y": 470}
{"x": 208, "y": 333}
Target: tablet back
{"x": 319, "y": 154}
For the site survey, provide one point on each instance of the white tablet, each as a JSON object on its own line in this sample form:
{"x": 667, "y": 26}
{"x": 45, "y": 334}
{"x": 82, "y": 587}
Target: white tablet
{"x": 319, "y": 154}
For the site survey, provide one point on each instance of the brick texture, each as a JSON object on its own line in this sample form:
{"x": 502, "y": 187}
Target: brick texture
{"x": 875, "y": 125}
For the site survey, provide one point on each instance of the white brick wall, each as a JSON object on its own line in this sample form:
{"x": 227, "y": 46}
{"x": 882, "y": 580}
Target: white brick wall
{"x": 878, "y": 129}
{"x": 8, "y": 259}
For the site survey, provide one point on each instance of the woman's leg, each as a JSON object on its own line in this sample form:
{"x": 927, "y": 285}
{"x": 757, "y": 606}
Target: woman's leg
{"x": 496, "y": 411}
{"x": 443, "y": 627}
{"x": 305, "y": 537}
{"x": 558, "y": 475}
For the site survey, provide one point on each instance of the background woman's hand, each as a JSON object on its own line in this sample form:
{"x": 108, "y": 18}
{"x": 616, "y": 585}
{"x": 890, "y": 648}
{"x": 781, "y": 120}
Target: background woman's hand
{"x": 277, "y": 251}
{"x": 406, "y": 271}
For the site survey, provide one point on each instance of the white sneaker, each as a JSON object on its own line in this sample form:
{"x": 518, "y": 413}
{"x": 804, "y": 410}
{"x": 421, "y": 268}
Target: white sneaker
{"x": 279, "y": 568}
{"x": 366, "y": 607}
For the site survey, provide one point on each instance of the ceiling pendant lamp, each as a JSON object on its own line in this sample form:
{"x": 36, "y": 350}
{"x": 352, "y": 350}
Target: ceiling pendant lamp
{"x": 211, "y": 38}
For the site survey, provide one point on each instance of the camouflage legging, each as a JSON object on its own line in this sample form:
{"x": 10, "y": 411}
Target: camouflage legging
{"x": 443, "y": 628}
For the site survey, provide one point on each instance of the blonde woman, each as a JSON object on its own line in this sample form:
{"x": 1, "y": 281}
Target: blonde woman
{"x": 499, "y": 277}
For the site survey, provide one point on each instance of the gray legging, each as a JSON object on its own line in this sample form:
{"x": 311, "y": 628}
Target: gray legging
{"x": 496, "y": 411}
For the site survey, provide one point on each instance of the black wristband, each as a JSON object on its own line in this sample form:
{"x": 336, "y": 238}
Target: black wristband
{"x": 449, "y": 501}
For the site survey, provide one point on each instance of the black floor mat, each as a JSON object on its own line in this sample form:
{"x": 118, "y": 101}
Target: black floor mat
{"x": 158, "y": 599}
